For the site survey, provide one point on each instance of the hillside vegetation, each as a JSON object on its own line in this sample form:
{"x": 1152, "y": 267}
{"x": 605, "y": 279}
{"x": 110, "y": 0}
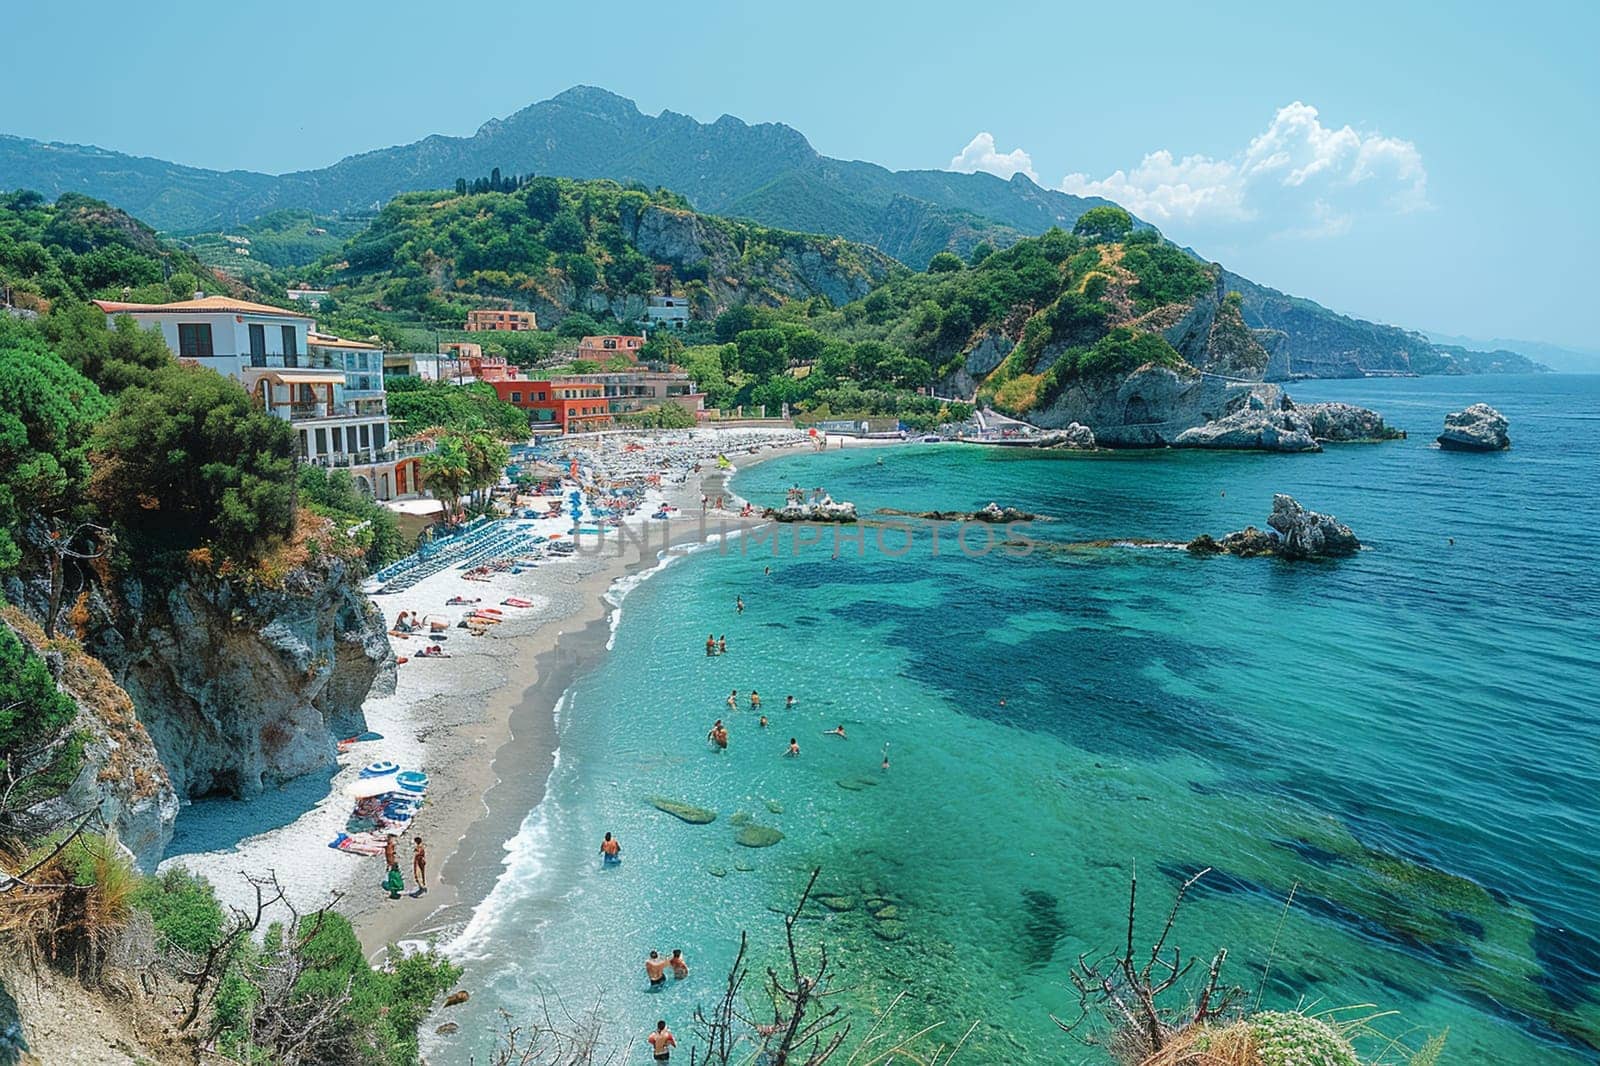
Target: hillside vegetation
{"x": 558, "y": 246}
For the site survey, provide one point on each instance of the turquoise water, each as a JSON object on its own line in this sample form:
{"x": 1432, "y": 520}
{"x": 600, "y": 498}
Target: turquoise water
{"x": 1407, "y": 739}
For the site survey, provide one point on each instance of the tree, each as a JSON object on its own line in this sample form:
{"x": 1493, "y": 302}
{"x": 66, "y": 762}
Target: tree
{"x": 112, "y": 358}
{"x": 486, "y": 461}
{"x": 578, "y": 324}
{"x": 39, "y": 756}
{"x": 542, "y": 198}
{"x": 187, "y": 460}
{"x": 461, "y": 186}
{"x": 980, "y": 251}
{"x": 1103, "y": 224}
{"x": 565, "y": 233}
{"x": 944, "y": 263}
{"x": 448, "y": 472}
{"x": 47, "y": 412}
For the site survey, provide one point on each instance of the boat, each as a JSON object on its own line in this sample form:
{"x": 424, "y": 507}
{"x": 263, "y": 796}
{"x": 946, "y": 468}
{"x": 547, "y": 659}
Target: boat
{"x": 379, "y": 768}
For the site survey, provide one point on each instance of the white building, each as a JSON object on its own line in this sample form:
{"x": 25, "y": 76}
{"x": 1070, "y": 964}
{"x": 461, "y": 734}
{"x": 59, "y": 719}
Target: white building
{"x": 671, "y": 311}
{"x": 330, "y": 390}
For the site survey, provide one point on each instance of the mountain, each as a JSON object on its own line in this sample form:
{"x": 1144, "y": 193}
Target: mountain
{"x": 1553, "y": 356}
{"x": 767, "y": 172}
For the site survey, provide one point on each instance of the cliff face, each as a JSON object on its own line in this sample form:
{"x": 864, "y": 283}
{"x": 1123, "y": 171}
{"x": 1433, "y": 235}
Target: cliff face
{"x": 805, "y": 266}
{"x": 1146, "y": 408}
{"x": 122, "y": 775}
{"x": 239, "y": 688}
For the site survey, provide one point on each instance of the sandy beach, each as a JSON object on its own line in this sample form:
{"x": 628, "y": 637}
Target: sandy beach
{"x": 480, "y": 722}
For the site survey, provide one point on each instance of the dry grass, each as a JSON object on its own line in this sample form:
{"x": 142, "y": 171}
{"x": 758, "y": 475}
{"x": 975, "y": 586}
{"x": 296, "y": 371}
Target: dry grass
{"x": 72, "y": 905}
{"x": 87, "y": 681}
{"x": 1227, "y": 1047}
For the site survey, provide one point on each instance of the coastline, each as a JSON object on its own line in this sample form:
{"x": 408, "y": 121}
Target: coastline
{"x": 481, "y": 723}
{"x": 501, "y": 758}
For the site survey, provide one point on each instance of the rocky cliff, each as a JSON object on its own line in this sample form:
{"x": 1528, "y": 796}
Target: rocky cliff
{"x": 191, "y": 683}
{"x": 243, "y": 687}
{"x": 801, "y": 268}
{"x": 122, "y": 776}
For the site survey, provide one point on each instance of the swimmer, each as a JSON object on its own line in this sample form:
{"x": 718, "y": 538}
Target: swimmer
{"x": 733, "y": 700}
{"x": 738, "y": 604}
{"x": 661, "y": 1042}
{"x": 885, "y": 755}
{"x": 794, "y": 747}
{"x": 718, "y": 735}
{"x": 711, "y": 644}
{"x": 836, "y": 731}
{"x": 767, "y": 571}
{"x": 611, "y": 849}
{"x": 722, "y": 645}
{"x": 655, "y": 967}
{"x": 679, "y": 964}
{"x": 755, "y": 700}
{"x": 763, "y": 721}
{"x": 788, "y": 703}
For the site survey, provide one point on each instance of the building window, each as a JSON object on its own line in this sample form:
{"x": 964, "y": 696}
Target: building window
{"x": 516, "y": 397}
{"x": 258, "y": 345}
{"x": 291, "y": 347}
{"x": 194, "y": 340}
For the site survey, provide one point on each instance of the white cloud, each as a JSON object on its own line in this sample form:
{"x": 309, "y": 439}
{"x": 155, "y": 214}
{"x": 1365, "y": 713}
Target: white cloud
{"x": 981, "y": 154}
{"x": 1298, "y": 178}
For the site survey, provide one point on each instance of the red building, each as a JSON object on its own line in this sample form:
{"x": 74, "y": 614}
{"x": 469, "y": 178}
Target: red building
{"x": 570, "y": 405}
{"x": 604, "y": 349}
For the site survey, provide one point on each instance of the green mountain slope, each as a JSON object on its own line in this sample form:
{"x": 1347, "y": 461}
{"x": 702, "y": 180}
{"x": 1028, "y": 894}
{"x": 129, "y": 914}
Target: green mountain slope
{"x": 767, "y": 172}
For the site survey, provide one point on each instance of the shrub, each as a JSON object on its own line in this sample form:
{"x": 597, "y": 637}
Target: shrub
{"x": 184, "y": 909}
{"x": 1103, "y": 224}
{"x": 34, "y": 720}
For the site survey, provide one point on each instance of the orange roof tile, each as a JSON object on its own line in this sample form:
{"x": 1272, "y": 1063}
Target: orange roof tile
{"x": 204, "y": 305}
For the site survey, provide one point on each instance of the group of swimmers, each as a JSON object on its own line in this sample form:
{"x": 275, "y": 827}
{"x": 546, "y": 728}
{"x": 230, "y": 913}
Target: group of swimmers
{"x": 714, "y": 646}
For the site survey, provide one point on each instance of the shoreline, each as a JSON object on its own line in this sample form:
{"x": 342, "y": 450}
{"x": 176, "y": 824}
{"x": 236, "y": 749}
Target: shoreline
{"x": 500, "y": 760}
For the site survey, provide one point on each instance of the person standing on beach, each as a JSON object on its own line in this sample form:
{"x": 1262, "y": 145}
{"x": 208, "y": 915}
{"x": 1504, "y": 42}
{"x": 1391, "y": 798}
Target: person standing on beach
{"x": 419, "y": 865}
{"x": 680, "y": 965}
{"x": 655, "y": 968}
{"x": 391, "y": 855}
{"x": 662, "y": 1042}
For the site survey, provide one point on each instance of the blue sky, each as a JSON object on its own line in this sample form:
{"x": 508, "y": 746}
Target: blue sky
{"x": 1459, "y": 199}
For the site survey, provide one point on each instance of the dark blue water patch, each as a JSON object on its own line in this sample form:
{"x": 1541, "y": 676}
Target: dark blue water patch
{"x": 1551, "y": 1032}
{"x": 1311, "y": 853}
{"x": 1569, "y": 962}
{"x": 1223, "y": 883}
{"x": 774, "y": 625}
{"x": 1042, "y": 927}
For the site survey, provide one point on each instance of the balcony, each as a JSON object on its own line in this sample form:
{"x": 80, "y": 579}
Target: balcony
{"x": 389, "y": 453}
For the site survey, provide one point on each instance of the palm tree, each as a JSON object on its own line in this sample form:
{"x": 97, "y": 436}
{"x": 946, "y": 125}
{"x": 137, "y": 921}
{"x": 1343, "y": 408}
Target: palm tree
{"x": 448, "y": 472}
{"x": 486, "y": 461}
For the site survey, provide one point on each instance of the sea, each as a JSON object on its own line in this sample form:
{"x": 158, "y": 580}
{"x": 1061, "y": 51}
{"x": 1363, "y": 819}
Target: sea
{"x": 1385, "y": 768}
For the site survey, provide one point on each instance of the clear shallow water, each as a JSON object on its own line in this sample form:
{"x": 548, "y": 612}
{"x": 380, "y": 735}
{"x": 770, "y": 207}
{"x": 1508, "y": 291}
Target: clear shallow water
{"x": 1408, "y": 738}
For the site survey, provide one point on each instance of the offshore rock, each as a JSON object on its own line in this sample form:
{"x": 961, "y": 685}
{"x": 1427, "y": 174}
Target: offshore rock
{"x": 683, "y": 811}
{"x": 1479, "y": 428}
{"x": 839, "y": 512}
{"x": 1344, "y": 423}
{"x": 1296, "y": 533}
{"x": 757, "y": 836}
{"x": 1254, "y": 426}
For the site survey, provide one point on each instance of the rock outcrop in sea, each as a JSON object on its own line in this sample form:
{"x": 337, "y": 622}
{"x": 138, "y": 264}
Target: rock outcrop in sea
{"x": 1295, "y": 533}
{"x": 1479, "y": 428}
{"x": 1256, "y": 425}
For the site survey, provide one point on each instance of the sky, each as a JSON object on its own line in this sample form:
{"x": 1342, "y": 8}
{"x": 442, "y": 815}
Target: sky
{"x": 1429, "y": 165}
